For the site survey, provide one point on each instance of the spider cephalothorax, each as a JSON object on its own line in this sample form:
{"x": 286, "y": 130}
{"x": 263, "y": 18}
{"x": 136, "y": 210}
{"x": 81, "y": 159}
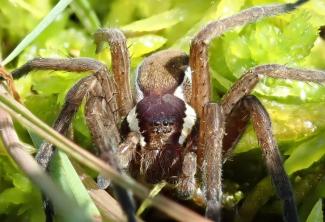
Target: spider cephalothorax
{"x": 157, "y": 140}
{"x": 162, "y": 116}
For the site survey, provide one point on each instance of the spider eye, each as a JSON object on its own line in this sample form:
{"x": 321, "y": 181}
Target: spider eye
{"x": 165, "y": 123}
{"x": 156, "y": 123}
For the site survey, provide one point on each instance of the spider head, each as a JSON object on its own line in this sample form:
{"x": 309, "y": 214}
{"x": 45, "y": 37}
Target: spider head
{"x": 160, "y": 120}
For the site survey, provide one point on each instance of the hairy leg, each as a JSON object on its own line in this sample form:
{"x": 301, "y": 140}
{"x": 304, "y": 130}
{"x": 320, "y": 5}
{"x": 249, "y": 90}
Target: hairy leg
{"x": 237, "y": 114}
{"x": 127, "y": 150}
{"x": 120, "y": 65}
{"x": 249, "y": 107}
{"x": 212, "y": 129}
{"x": 199, "y": 47}
{"x": 105, "y": 134}
{"x": 186, "y": 184}
{"x": 201, "y": 93}
{"x": 63, "y": 121}
{"x": 236, "y": 123}
{"x": 99, "y": 91}
{"x": 74, "y": 96}
{"x": 262, "y": 125}
{"x": 245, "y": 85}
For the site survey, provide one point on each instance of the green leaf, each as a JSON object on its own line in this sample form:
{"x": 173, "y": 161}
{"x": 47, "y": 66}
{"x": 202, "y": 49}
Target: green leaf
{"x": 290, "y": 123}
{"x": 147, "y": 202}
{"x": 18, "y": 197}
{"x": 157, "y": 22}
{"x": 11, "y": 197}
{"x": 306, "y": 154}
{"x": 139, "y": 46}
{"x": 215, "y": 11}
{"x": 316, "y": 215}
{"x": 115, "y": 17}
{"x": 30, "y": 12}
{"x": 64, "y": 174}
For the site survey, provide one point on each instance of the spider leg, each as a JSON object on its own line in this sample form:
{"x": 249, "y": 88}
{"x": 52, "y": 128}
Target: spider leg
{"x": 253, "y": 109}
{"x": 236, "y": 122}
{"x": 127, "y": 150}
{"x": 210, "y": 155}
{"x": 199, "y": 46}
{"x": 210, "y": 165}
{"x": 63, "y": 121}
{"x": 99, "y": 91}
{"x": 75, "y": 94}
{"x": 248, "y": 81}
{"x": 186, "y": 184}
{"x": 105, "y": 134}
{"x": 238, "y": 109}
{"x": 120, "y": 65}
{"x": 212, "y": 129}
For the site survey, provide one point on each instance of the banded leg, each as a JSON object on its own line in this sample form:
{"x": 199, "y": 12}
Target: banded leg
{"x": 120, "y": 65}
{"x": 199, "y": 47}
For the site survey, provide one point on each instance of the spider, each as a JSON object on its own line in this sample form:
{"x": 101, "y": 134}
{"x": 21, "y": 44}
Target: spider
{"x": 171, "y": 130}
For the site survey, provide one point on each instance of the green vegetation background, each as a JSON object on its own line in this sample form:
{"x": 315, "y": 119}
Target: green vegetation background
{"x": 296, "y": 108}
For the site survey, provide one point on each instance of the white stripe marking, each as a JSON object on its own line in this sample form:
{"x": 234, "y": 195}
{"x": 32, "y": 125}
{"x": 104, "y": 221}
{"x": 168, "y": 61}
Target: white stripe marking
{"x": 134, "y": 124}
{"x": 179, "y": 91}
{"x": 190, "y": 115}
{"x": 138, "y": 91}
{"x": 189, "y": 121}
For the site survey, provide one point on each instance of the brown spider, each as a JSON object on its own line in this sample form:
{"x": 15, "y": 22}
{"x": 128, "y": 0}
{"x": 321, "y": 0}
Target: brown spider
{"x": 172, "y": 131}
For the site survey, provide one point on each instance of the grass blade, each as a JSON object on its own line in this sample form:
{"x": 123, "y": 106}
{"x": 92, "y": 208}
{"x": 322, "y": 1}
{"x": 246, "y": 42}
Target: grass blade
{"x": 58, "y": 8}
{"x": 65, "y": 206}
{"x": 86, "y": 15}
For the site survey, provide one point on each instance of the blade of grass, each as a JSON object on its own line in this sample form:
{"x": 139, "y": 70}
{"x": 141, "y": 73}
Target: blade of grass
{"x": 86, "y": 15}
{"x": 316, "y": 215}
{"x": 58, "y": 8}
{"x": 65, "y": 206}
{"x": 146, "y": 203}
{"x": 108, "y": 206}
{"x": 63, "y": 173}
{"x": 31, "y": 122}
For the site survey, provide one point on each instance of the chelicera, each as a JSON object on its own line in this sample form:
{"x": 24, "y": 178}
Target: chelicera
{"x": 171, "y": 130}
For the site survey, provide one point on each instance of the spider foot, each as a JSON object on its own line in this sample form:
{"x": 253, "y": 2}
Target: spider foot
{"x": 102, "y": 182}
{"x": 213, "y": 210}
{"x": 186, "y": 187}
